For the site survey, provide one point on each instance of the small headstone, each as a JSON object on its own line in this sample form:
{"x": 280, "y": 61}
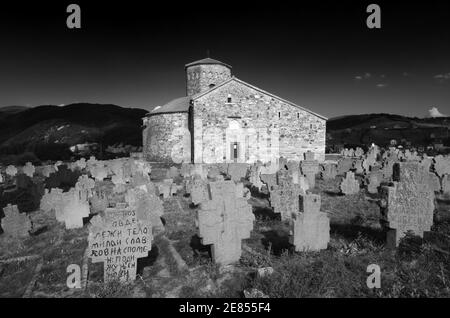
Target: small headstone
{"x": 15, "y": 224}
{"x": 349, "y": 184}
{"x": 329, "y": 171}
{"x": 172, "y": 173}
{"x": 29, "y": 169}
{"x": 99, "y": 172}
{"x": 357, "y": 165}
{"x": 74, "y": 209}
{"x": 311, "y": 228}
{"x": 11, "y": 171}
{"x": 375, "y": 178}
{"x": 442, "y": 165}
{"x": 199, "y": 191}
{"x": 344, "y": 165}
{"x": 118, "y": 240}
{"x": 270, "y": 180}
{"x": 310, "y": 168}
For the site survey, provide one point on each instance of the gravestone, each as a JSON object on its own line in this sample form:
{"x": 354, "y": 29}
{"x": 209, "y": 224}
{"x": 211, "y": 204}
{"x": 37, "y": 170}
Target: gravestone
{"x": 387, "y": 169}
{"x": 99, "y": 172}
{"x": 329, "y": 171}
{"x": 186, "y": 169}
{"x": 98, "y": 201}
{"x": 81, "y": 163}
{"x": 344, "y": 165}
{"x": 374, "y": 178}
{"x": 357, "y": 165}
{"x": 172, "y": 173}
{"x": 147, "y": 204}
{"x": 118, "y": 239}
{"x": 270, "y": 180}
{"x": 349, "y": 184}
{"x": 11, "y": 170}
{"x": 310, "y": 168}
{"x": 199, "y": 191}
{"x": 15, "y": 224}
{"x": 29, "y": 169}
{"x": 255, "y": 176}
{"x": 442, "y": 165}
{"x": 237, "y": 171}
{"x": 408, "y": 205}
{"x": 446, "y": 184}
{"x": 285, "y": 200}
{"x": 310, "y": 228}
{"x": 167, "y": 188}
{"x": 74, "y": 209}
{"x": 359, "y": 152}
{"x": 52, "y": 200}
{"x": 85, "y": 186}
{"x": 224, "y": 221}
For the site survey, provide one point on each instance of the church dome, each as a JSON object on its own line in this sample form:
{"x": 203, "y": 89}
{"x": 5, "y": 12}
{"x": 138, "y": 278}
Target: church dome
{"x": 207, "y": 61}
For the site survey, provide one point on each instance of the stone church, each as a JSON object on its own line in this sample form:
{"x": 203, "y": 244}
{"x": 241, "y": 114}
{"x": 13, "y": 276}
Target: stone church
{"x": 224, "y": 119}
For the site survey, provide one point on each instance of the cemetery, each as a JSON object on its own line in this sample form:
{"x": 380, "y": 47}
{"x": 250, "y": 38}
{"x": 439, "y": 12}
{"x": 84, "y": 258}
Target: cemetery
{"x": 131, "y": 228}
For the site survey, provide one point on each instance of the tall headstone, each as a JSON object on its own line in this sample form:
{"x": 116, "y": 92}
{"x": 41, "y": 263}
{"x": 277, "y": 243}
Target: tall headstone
{"x": 224, "y": 221}
{"x": 349, "y": 184}
{"x": 408, "y": 205}
{"x": 310, "y": 228}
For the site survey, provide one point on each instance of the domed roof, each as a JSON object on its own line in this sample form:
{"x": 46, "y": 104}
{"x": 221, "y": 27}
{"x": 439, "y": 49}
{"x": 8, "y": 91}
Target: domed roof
{"x": 207, "y": 61}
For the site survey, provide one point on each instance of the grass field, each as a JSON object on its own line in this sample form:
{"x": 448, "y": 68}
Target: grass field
{"x": 180, "y": 266}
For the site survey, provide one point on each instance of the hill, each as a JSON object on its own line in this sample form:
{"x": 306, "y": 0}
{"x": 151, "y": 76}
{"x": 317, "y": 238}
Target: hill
{"x": 382, "y": 128}
{"x": 23, "y": 130}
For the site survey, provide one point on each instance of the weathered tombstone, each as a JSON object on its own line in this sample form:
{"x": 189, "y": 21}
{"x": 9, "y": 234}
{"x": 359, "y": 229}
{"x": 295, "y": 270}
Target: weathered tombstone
{"x": 81, "y": 163}
{"x": 446, "y": 184}
{"x": 310, "y": 168}
{"x": 213, "y": 172}
{"x": 167, "y": 188}
{"x": 47, "y": 170}
{"x": 119, "y": 239}
{"x": 255, "y": 176}
{"x": 11, "y": 170}
{"x": 199, "y": 191}
{"x": 29, "y": 169}
{"x": 52, "y": 200}
{"x": 74, "y": 209}
{"x": 237, "y": 171}
{"x": 224, "y": 221}
{"x": 98, "y": 201}
{"x": 357, "y": 165}
{"x": 375, "y": 178}
{"x": 285, "y": 200}
{"x": 442, "y": 165}
{"x": 99, "y": 172}
{"x": 344, "y": 165}
{"x": 387, "y": 169}
{"x": 15, "y": 224}
{"x": 186, "y": 169}
{"x": 85, "y": 186}
{"x": 310, "y": 228}
{"x": 269, "y": 168}
{"x": 270, "y": 180}
{"x": 172, "y": 173}
{"x": 349, "y": 184}
{"x": 329, "y": 171}
{"x": 359, "y": 152}
{"x": 147, "y": 204}
{"x": 408, "y": 205}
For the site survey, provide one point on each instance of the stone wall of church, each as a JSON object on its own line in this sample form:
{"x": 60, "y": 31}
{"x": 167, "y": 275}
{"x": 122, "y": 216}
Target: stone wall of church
{"x": 166, "y": 138}
{"x": 200, "y": 77}
{"x": 262, "y": 127}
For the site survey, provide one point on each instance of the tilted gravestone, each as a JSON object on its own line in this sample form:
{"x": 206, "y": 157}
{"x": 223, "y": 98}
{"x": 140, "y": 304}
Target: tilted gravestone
{"x": 224, "y": 221}
{"x": 15, "y": 224}
{"x": 349, "y": 184}
{"x": 408, "y": 205}
{"x": 118, "y": 239}
{"x": 310, "y": 228}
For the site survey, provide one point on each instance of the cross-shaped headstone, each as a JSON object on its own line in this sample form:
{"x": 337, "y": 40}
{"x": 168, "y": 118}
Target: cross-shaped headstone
{"x": 118, "y": 239}
{"x": 15, "y": 224}
{"x": 349, "y": 184}
{"x": 224, "y": 221}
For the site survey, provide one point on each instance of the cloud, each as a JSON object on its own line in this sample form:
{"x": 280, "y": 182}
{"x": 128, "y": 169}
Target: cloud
{"x": 62, "y": 105}
{"x": 382, "y": 85}
{"x": 442, "y": 77}
{"x": 434, "y": 112}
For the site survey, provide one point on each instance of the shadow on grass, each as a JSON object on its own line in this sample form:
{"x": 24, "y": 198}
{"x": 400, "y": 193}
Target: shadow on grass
{"x": 258, "y": 194}
{"x": 200, "y": 250}
{"x": 266, "y": 213}
{"x": 351, "y": 232}
{"x": 147, "y": 261}
{"x": 278, "y": 242}
{"x": 333, "y": 193}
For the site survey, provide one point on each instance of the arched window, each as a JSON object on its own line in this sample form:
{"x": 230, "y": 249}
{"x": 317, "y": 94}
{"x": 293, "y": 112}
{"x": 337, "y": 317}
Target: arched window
{"x": 229, "y": 98}
{"x": 211, "y": 85}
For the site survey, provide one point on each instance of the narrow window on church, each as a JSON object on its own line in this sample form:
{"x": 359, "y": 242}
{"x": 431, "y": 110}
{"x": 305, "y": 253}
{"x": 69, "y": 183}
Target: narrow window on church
{"x": 298, "y": 115}
{"x": 279, "y": 114}
{"x": 211, "y": 85}
{"x": 229, "y": 99}
{"x": 310, "y": 126}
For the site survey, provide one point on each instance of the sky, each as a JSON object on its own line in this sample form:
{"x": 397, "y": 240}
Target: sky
{"x": 319, "y": 55}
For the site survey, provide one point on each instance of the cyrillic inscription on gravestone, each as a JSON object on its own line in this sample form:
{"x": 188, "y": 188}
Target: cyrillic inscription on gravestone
{"x": 118, "y": 239}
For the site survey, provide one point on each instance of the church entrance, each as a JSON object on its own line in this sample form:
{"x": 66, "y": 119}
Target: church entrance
{"x": 234, "y": 151}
